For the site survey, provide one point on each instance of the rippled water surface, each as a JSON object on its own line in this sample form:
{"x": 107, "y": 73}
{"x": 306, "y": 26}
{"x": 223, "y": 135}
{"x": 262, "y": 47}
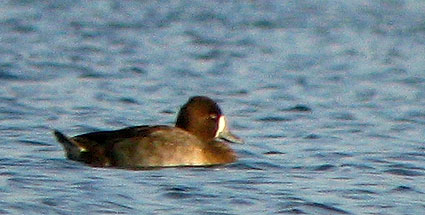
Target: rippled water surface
{"x": 328, "y": 95}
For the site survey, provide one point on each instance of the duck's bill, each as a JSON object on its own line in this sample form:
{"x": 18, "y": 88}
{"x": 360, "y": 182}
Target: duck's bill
{"x": 227, "y": 136}
{"x": 224, "y": 133}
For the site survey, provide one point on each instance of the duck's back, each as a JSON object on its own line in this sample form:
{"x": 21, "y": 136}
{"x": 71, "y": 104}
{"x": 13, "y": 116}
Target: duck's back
{"x": 149, "y": 146}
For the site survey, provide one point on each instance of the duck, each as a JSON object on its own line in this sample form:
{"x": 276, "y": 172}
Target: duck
{"x": 199, "y": 137}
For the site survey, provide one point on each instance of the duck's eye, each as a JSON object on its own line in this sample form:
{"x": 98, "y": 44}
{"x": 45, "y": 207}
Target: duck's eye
{"x": 213, "y": 116}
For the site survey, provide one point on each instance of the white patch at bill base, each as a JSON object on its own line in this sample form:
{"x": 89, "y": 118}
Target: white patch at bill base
{"x": 221, "y": 125}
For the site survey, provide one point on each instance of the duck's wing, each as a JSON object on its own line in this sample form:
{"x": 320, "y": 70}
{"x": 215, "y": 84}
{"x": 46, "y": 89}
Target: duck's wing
{"x": 108, "y": 137}
{"x": 95, "y": 148}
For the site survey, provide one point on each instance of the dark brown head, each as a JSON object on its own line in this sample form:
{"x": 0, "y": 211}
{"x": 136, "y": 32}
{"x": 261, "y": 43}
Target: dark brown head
{"x": 202, "y": 117}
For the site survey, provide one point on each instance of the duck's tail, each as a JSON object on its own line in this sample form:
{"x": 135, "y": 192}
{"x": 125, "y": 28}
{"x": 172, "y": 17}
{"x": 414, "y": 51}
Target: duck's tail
{"x": 72, "y": 149}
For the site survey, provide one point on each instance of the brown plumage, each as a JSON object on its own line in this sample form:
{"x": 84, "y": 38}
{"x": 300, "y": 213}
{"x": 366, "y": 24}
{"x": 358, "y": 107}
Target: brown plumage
{"x": 194, "y": 141}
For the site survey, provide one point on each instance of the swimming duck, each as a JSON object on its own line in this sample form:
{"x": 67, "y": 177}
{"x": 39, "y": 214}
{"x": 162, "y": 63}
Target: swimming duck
{"x": 198, "y": 139}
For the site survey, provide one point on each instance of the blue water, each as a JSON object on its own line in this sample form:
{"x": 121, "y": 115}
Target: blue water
{"x": 329, "y": 97}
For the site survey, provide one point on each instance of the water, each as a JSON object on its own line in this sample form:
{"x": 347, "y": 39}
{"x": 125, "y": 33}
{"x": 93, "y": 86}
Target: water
{"x": 329, "y": 97}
